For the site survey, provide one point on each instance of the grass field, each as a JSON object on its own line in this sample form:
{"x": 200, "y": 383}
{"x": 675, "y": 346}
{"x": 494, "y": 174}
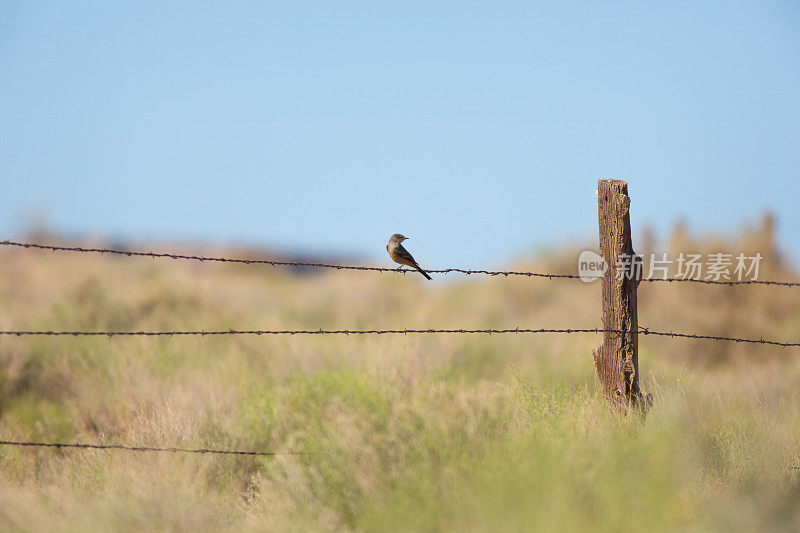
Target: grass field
{"x": 415, "y": 432}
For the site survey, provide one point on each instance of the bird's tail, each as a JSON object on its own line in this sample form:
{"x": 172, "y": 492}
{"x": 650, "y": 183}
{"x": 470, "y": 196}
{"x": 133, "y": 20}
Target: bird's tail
{"x": 422, "y": 271}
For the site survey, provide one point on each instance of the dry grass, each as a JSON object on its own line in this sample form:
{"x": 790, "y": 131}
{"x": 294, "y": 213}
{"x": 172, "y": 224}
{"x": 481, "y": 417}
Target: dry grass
{"x": 406, "y": 432}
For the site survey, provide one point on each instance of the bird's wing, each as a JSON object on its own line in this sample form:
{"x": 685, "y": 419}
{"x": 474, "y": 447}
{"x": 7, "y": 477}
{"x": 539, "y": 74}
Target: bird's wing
{"x": 402, "y": 252}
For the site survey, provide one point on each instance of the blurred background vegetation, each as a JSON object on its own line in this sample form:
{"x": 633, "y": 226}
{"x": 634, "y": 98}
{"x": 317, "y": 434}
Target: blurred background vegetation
{"x": 416, "y": 432}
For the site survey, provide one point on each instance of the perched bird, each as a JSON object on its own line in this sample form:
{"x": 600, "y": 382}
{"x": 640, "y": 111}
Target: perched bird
{"x": 401, "y": 255}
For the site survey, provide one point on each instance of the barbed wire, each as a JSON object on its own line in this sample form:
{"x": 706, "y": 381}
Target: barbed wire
{"x": 645, "y": 331}
{"x": 291, "y": 332}
{"x": 506, "y": 273}
{"x": 730, "y": 283}
{"x": 201, "y": 258}
{"x": 642, "y": 330}
{"x": 142, "y": 448}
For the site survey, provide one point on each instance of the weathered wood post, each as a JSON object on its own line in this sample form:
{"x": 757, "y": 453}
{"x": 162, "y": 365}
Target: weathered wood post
{"x": 617, "y": 359}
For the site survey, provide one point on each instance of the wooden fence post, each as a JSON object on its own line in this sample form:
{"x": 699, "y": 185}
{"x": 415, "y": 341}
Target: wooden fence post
{"x": 617, "y": 359}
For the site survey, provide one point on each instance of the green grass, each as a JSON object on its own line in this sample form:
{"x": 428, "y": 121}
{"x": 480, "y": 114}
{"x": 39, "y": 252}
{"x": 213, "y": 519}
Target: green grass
{"x": 408, "y": 432}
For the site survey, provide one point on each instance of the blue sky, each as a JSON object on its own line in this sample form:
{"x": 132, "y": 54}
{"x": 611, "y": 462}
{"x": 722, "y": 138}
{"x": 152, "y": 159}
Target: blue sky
{"x": 477, "y": 128}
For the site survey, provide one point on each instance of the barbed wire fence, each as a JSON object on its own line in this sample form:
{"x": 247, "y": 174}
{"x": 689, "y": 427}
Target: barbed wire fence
{"x": 468, "y": 272}
{"x": 123, "y": 447}
{"x": 642, "y": 330}
{"x": 625, "y": 337}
